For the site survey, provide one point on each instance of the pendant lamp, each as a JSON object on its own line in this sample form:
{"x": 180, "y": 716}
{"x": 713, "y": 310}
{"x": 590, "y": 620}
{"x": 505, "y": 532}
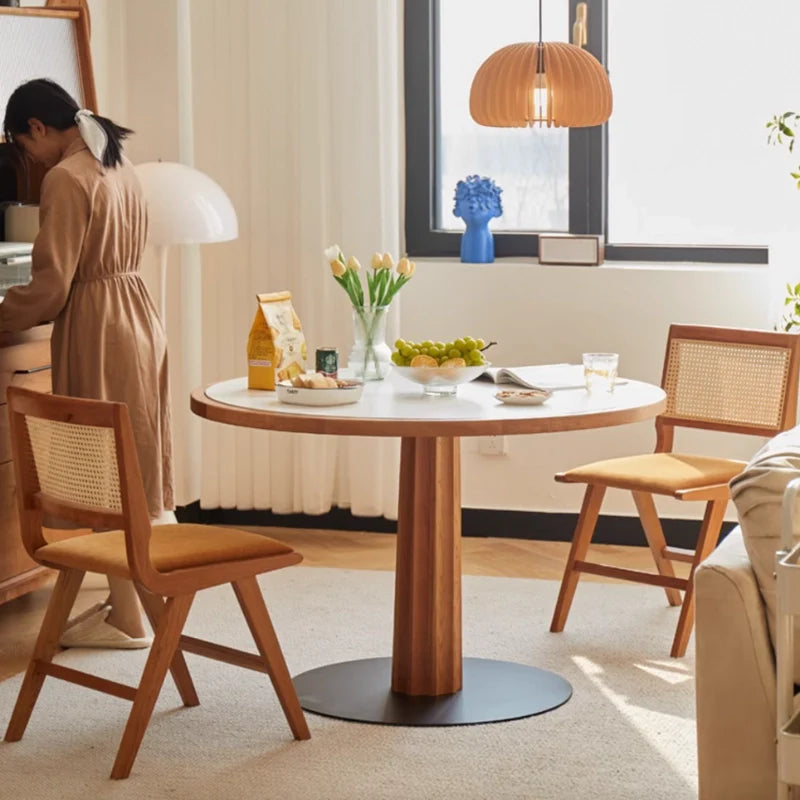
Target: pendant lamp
{"x": 542, "y": 83}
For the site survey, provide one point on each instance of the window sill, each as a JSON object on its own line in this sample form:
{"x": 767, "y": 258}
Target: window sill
{"x": 628, "y": 266}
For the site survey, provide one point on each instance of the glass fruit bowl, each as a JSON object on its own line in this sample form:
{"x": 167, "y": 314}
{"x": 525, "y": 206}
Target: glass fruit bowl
{"x": 441, "y": 380}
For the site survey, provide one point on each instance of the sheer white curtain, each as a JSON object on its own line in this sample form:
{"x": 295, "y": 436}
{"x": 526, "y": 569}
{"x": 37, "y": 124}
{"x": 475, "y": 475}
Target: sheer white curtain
{"x": 297, "y": 116}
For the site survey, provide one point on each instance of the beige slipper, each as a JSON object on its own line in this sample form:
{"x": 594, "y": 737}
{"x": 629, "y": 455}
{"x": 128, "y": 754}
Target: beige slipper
{"x": 94, "y": 631}
{"x": 84, "y": 615}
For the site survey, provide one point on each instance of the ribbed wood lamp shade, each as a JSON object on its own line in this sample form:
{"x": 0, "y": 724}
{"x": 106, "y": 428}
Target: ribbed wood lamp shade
{"x": 510, "y": 90}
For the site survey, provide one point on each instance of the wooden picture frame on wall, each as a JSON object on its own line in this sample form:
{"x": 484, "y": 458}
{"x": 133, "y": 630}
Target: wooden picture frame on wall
{"x": 45, "y": 42}
{"x": 82, "y": 4}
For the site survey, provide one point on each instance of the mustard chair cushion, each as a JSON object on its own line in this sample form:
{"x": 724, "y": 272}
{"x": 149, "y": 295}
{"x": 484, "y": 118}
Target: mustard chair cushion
{"x": 171, "y": 547}
{"x": 658, "y": 473}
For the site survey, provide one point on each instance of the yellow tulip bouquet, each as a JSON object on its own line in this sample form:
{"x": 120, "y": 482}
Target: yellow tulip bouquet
{"x": 371, "y": 356}
{"x": 382, "y": 282}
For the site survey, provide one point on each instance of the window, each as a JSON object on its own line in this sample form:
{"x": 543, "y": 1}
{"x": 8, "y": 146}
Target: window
{"x": 582, "y": 180}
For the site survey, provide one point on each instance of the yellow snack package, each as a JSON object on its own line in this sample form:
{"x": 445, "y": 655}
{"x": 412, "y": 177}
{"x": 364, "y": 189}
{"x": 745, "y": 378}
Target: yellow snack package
{"x": 276, "y": 347}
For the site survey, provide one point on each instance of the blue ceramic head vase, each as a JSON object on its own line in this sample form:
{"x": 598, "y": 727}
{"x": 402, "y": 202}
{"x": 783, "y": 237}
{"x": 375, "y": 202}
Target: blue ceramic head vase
{"x": 477, "y": 200}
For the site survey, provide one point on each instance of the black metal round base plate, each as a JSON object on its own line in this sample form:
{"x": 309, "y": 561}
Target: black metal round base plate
{"x": 493, "y": 691}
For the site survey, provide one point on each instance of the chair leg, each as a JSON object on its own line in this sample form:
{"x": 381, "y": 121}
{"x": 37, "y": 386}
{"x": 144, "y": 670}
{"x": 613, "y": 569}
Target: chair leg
{"x": 706, "y": 542}
{"x": 55, "y": 618}
{"x": 255, "y": 612}
{"x": 154, "y": 608}
{"x": 654, "y": 533}
{"x": 162, "y": 653}
{"x": 587, "y": 520}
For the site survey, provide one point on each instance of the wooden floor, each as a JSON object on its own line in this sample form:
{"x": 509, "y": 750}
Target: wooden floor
{"x": 517, "y": 558}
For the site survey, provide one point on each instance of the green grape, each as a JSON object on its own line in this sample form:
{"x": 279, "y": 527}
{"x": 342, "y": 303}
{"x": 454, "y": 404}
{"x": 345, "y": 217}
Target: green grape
{"x": 398, "y": 359}
{"x": 399, "y": 344}
{"x": 427, "y": 343}
{"x": 414, "y": 352}
{"x": 424, "y": 351}
{"x": 469, "y": 343}
{"x": 480, "y": 344}
{"x": 441, "y": 346}
{"x": 406, "y": 351}
{"x": 454, "y": 353}
{"x": 434, "y": 352}
{"x": 459, "y": 344}
{"x": 475, "y": 356}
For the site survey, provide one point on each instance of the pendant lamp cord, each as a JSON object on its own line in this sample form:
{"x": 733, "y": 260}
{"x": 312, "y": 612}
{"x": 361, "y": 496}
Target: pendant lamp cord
{"x": 540, "y": 52}
{"x": 540, "y": 22}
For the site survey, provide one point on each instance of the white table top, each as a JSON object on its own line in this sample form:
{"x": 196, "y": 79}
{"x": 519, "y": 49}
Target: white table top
{"x": 398, "y": 407}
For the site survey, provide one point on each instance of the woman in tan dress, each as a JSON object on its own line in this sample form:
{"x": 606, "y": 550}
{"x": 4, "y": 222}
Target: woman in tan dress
{"x": 108, "y": 342}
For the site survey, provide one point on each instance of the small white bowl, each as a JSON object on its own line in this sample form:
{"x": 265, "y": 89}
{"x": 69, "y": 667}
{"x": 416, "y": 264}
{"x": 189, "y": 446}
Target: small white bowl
{"x": 441, "y": 380}
{"x": 299, "y": 396}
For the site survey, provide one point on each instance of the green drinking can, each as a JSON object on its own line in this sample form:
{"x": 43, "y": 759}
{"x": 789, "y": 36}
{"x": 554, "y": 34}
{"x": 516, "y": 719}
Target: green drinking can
{"x": 328, "y": 361}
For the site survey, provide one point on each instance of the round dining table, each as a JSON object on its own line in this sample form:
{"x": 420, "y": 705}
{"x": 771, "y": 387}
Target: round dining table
{"x": 427, "y": 681}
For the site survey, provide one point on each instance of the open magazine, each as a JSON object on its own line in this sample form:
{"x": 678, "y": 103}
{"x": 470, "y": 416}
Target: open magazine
{"x": 548, "y": 377}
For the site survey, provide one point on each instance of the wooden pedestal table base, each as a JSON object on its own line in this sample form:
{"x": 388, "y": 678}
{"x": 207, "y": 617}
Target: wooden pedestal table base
{"x": 426, "y": 681}
{"x": 430, "y": 684}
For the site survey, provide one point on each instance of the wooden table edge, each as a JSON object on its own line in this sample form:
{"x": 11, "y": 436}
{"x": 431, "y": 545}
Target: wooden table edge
{"x": 215, "y": 411}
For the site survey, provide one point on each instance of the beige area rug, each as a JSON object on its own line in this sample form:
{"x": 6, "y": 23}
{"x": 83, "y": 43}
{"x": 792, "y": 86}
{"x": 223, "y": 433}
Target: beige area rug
{"x": 627, "y": 733}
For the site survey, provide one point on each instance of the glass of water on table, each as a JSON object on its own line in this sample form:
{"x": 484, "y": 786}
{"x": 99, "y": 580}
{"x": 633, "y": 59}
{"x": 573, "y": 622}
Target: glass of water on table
{"x": 600, "y": 371}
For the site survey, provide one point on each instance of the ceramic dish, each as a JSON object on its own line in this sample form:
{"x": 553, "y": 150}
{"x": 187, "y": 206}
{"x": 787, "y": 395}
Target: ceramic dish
{"x": 523, "y": 397}
{"x": 340, "y": 396}
{"x": 441, "y": 380}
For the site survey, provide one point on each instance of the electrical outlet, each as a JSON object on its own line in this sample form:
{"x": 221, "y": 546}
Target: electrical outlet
{"x": 493, "y": 446}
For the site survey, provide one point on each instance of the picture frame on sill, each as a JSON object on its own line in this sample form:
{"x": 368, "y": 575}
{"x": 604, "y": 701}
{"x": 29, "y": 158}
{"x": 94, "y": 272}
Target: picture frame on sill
{"x": 578, "y": 250}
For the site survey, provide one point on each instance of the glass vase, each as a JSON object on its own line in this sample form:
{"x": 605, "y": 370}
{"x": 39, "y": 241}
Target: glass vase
{"x": 371, "y": 358}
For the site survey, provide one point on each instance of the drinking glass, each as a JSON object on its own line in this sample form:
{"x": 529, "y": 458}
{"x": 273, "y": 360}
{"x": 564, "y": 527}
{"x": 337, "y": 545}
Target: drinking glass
{"x": 600, "y": 371}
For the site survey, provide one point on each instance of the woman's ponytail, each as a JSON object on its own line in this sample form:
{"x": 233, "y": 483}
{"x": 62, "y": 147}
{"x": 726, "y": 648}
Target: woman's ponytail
{"x": 116, "y": 134}
{"x": 102, "y": 136}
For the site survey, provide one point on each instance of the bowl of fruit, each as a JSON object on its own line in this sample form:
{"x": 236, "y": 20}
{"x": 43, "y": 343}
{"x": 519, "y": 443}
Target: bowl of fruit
{"x": 440, "y": 367}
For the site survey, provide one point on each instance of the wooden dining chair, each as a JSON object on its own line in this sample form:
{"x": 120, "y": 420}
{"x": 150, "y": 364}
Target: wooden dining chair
{"x": 723, "y": 379}
{"x": 75, "y": 460}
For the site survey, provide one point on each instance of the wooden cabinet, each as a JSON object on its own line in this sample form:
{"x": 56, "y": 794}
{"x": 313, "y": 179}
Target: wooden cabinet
{"x": 24, "y": 361}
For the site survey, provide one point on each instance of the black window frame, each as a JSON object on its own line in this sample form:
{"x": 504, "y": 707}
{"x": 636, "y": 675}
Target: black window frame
{"x": 588, "y": 162}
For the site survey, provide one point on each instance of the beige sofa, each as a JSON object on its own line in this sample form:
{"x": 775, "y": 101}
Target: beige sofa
{"x": 735, "y": 680}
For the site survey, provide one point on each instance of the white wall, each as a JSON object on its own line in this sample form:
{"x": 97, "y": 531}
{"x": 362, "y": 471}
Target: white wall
{"x": 541, "y": 314}
{"x": 108, "y": 56}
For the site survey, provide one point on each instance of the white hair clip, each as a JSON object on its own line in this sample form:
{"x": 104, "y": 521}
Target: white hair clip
{"x": 92, "y": 132}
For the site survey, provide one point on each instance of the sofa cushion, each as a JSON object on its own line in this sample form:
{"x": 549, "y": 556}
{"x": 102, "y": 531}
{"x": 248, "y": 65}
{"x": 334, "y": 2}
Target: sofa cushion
{"x": 758, "y": 495}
